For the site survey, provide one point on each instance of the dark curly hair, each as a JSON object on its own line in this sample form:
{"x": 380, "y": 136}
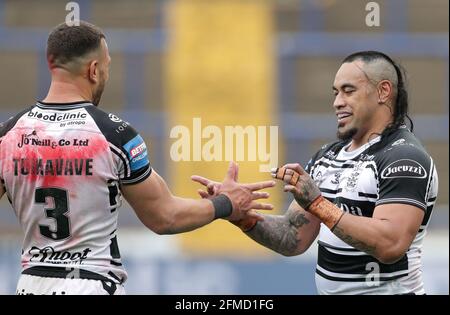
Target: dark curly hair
{"x": 66, "y": 43}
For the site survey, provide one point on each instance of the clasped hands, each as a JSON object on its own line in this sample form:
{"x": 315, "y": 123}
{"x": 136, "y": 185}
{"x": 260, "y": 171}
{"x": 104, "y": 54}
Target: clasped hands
{"x": 244, "y": 196}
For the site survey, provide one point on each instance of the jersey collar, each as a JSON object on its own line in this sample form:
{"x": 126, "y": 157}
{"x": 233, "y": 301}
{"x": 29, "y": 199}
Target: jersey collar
{"x": 63, "y": 106}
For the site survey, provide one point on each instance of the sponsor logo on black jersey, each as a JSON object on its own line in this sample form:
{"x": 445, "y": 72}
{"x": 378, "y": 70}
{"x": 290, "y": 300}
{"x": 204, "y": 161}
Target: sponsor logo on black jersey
{"x": 404, "y": 168}
{"x": 399, "y": 142}
{"x": 114, "y": 118}
{"x": 123, "y": 124}
{"x": 366, "y": 157}
{"x": 50, "y": 255}
{"x": 57, "y": 117}
{"x": 137, "y": 151}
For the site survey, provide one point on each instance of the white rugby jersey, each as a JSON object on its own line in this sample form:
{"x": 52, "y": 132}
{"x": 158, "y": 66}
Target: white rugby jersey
{"x": 399, "y": 170}
{"x": 62, "y": 166}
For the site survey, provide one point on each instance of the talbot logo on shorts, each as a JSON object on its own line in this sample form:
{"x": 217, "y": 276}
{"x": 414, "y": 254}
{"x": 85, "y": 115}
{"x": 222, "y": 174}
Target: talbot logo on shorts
{"x": 404, "y": 168}
{"x": 50, "y": 255}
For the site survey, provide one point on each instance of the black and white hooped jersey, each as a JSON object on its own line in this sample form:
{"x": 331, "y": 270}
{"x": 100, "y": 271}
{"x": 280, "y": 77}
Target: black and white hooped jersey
{"x": 399, "y": 170}
{"x": 62, "y": 166}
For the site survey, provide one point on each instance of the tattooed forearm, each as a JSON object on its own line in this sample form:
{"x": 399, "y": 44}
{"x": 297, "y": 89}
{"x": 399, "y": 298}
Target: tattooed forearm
{"x": 339, "y": 232}
{"x": 280, "y": 233}
{"x": 308, "y": 191}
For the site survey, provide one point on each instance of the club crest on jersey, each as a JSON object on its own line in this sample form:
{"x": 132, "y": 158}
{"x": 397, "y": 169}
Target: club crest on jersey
{"x": 337, "y": 178}
{"x": 137, "y": 152}
{"x": 352, "y": 180}
{"x": 330, "y": 154}
{"x": 404, "y": 168}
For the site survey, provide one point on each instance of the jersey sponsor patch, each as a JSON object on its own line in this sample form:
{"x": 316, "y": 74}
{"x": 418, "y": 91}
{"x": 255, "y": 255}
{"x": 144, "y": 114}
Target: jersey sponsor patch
{"x": 398, "y": 142}
{"x": 137, "y": 153}
{"x": 404, "y": 168}
{"x": 114, "y": 118}
{"x": 58, "y": 117}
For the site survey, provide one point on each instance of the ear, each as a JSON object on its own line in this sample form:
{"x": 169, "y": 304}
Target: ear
{"x": 51, "y": 62}
{"x": 93, "y": 71}
{"x": 384, "y": 90}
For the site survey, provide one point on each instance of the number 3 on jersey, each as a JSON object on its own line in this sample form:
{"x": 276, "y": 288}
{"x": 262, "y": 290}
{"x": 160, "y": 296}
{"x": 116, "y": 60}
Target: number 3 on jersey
{"x": 60, "y": 208}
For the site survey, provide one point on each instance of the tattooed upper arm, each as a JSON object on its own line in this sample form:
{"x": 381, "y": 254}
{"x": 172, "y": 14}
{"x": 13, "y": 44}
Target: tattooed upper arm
{"x": 289, "y": 234}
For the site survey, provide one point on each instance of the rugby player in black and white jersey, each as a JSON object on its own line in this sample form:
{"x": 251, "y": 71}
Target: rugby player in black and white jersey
{"x": 64, "y": 165}
{"x": 368, "y": 197}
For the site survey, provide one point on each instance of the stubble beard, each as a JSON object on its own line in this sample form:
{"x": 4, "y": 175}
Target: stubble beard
{"x": 98, "y": 93}
{"x": 346, "y": 135}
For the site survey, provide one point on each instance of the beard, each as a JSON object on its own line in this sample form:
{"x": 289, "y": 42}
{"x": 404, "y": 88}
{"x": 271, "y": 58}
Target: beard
{"x": 97, "y": 94}
{"x": 346, "y": 135}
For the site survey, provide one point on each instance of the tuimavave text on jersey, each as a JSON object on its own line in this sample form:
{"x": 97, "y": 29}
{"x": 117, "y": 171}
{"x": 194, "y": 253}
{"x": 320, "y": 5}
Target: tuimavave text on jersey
{"x": 53, "y": 167}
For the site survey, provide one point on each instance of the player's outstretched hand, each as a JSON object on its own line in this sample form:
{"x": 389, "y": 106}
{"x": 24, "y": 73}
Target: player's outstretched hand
{"x": 244, "y": 197}
{"x": 298, "y": 182}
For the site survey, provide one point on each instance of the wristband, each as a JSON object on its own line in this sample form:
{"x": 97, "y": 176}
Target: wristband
{"x": 326, "y": 211}
{"x": 245, "y": 224}
{"x": 222, "y": 206}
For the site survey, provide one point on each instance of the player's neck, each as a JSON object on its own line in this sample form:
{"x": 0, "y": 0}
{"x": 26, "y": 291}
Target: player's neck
{"x": 369, "y": 135}
{"x": 64, "y": 90}
{"x": 372, "y": 127}
{"x": 358, "y": 143}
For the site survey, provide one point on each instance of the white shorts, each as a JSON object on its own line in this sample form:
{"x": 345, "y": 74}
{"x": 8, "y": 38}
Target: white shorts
{"x": 36, "y": 285}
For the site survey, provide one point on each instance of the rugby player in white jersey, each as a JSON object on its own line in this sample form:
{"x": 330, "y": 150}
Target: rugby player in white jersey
{"x": 65, "y": 165}
{"x": 368, "y": 197}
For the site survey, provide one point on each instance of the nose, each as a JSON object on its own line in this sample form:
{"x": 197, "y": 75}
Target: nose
{"x": 338, "y": 101}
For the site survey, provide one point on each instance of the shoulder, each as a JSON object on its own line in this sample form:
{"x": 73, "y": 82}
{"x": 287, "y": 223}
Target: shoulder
{"x": 404, "y": 156}
{"x": 116, "y": 130}
{"x": 403, "y": 143}
{"x": 6, "y": 126}
{"x": 125, "y": 142}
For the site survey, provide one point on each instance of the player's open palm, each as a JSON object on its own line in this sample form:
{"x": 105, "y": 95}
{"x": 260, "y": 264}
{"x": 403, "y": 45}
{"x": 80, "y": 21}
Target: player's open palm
{"x": 244, "y": 197}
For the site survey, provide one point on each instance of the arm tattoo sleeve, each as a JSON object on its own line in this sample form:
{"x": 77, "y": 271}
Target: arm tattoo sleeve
{"x": 339, "y": 232}
{"x": 280, "y": 232}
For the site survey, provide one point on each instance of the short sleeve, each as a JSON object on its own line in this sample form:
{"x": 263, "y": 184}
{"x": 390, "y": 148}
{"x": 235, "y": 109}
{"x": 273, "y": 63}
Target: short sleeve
{"x": 129, "y": 149}
{"x": 136, "y": 159}
{"x": 405, "y": 176}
